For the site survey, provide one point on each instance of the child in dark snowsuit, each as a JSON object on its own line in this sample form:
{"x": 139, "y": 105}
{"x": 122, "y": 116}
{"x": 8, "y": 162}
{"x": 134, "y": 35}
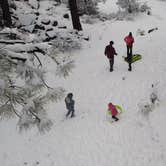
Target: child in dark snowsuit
{"x": 70, "y": 105}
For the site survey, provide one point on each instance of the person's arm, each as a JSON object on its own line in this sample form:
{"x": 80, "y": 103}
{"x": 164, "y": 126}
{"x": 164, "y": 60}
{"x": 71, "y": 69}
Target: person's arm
{"x": 133, "y": 40}
{"x": 115, "y": 53}
{"x": 125, "y": 39}
{"x": 105, "y": 52}
{"x": 72, "y": 103}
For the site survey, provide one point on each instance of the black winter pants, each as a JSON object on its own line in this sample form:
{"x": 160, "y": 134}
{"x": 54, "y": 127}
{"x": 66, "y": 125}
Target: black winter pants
{"x": 114, "y": 117}
{"x": 129, "y": 56}
{"x": 111, "y": 63}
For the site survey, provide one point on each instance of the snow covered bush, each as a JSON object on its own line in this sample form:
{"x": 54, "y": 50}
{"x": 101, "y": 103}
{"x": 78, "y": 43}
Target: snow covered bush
{"x": 132, "y": 6}
{"x": 91, "y": 7}
{"x": 129, "y": 5}
{"x": 88, "y": 7}
{"x": 154, "y": 99}
{"x": 67, "y": 42}
{"x": 145, "y": 108}
{"x": 144, "y": 7}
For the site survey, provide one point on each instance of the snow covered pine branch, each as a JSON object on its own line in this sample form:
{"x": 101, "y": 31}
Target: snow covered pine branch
{"x": 23, "y": 89}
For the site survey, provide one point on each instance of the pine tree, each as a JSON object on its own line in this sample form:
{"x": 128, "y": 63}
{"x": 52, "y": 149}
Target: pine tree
{"x": 23, "y": 89}
{"x": 6, "y": 13}
{"x": 74, "y": 15}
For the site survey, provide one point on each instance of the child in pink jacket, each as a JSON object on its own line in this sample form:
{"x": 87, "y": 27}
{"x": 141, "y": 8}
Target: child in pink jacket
{"x": 113, "y": 110}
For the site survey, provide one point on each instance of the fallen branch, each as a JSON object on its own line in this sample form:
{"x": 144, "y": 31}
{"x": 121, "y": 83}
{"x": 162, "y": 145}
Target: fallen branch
{"x": 40, "y": 64}
{"x": 153, "y": 29}
{"x": 20, "y": 59}
{"x": 36, "y": 49}
{"x": 12, "y": 42}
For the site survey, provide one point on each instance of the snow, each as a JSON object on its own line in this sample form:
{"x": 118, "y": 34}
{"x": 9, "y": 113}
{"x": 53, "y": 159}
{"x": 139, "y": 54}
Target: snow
{"x": 2, "y": 84}
{"x": 89, "y": 139}
{"x": 105, "y": 7}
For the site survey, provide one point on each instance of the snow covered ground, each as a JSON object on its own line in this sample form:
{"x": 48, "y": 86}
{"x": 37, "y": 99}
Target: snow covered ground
{"x": 89, "y": 139}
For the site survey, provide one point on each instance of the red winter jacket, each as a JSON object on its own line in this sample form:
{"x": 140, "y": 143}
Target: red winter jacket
{"x": 129, "y": 40}
{"x": 113, "y": 109}
{"x": 110, "y": 51}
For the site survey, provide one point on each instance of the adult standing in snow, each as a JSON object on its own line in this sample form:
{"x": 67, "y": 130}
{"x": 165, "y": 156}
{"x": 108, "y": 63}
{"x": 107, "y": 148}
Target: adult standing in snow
{"x": 70, "y": 105}
{"x": 113, "y": 110}
{"x": 110, "y": 52}
{"x": 129, "y": 40}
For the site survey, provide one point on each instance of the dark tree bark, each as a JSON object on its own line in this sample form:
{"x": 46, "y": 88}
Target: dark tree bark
{"x": 74, "y": 15}
{"x": 6, "y": 13}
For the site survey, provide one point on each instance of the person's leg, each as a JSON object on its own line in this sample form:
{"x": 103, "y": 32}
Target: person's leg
{"x": 129, "y": 61}
{"x": 72, "y": 113}
{"x": 68, "y": 113}
{"x": 111, "y": 64}
{"x": 131, "y": 50}
{"x": 128, "y": 49}
{"x": 114, "y": 117}
{"x": 130, "y": 68}
{"x": 130, "y": 57}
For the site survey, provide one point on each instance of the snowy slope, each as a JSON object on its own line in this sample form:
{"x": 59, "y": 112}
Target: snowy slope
{"x": 89, "y": 139}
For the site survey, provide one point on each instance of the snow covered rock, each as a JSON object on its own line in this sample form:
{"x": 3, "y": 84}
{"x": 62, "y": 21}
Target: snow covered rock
{"x": 39, "y": 26}
{"x": 55, "y": 23}
{"x": 66, "y": 15}
{"x": 34, "y": 4}
{"x": 45, "y": 21}
{"x": 29, "y": 28}
{"x": 27, "y": 19}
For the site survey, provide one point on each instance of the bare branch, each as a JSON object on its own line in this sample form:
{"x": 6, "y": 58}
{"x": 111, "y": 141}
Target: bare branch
{"x": 19, "y": 59}
{"x": 11, "y": 42}
{"x": 35, "y": 116}
{"x": 40, "y": 64}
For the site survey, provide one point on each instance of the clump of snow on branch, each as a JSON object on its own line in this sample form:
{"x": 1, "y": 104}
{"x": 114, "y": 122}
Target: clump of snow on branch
{"x": 30, "y": 117}
{"x": 65, "y": 68}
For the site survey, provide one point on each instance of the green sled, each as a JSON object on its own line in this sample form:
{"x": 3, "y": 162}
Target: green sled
{"x": 135, "y": 57}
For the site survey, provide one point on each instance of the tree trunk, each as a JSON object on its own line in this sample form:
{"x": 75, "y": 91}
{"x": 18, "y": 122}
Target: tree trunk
{"x": 74, "y": 15}
{"x": 6, "y": 13}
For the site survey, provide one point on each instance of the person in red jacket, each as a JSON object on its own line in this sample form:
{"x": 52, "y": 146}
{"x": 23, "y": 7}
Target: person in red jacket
{"x": 113, "y": 110}
{"x": 129, "y": 40}
{"x": 110, "y": 52}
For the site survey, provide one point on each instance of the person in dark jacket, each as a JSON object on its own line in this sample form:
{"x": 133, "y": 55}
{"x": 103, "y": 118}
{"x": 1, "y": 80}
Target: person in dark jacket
{"x": 110, "y": 52}
{"x": 70, "y": 105}
{"x": 129, "y": 40}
